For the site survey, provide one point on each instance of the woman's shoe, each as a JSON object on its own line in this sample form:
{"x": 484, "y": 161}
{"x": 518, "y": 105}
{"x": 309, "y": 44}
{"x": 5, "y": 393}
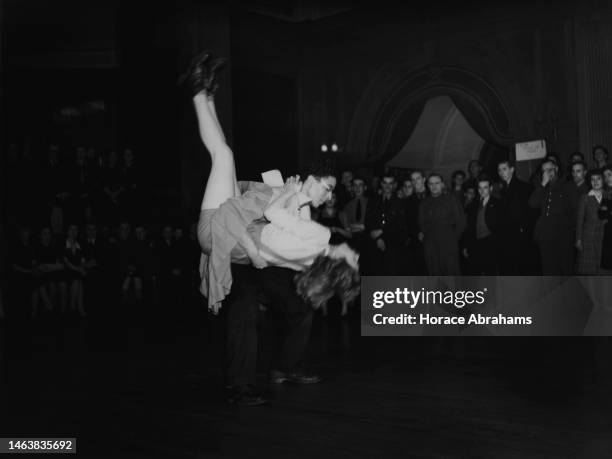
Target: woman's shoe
{"x": 197, "y": 75}
{"x": 214, "y": 69}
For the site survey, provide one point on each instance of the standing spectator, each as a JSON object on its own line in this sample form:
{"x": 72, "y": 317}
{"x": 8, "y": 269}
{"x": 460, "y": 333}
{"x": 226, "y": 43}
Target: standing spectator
{"x": 589, "y": 228}
{"x": 600, "y": 156}
{"x": 75, "y": 269}
{"x": 577, "y": 187}
{"x": 407, "y": 188}
{"x": 130, "y": 184}
{"x": 605, "y": 214}
{"x": 469, "y": 196}
{"x": 374, "y": 188}
{"x": 554, "y": 228}
{"x": 386, "y": 225}
{"x": 457, "y": 184}
{"x": 575, "y": 157}
{"x": 442, "y": 221}
{"x": 481, "y": 240}
{"x": 331, "y": 217}
{"x": 79, "y": 184}
{"x": 474, "y": 170}
{"x": 57, "y": 186}
{"x": 355, "y": 214}
{"x": 344, "y": 191}
{"x": 112, "y": 189}
{"x": 416, "y": 253}
{"x": 515, "y": 231}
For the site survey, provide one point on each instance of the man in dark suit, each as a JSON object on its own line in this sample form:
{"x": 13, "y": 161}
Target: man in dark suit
{"x": 386, "y": 225}
{"x": 481, "y": 238}
{"x": 553, "y": 230}
{"x": 355, "y": 213}
{"x": 515, "y": 230}
{"x": 417, "y": 257}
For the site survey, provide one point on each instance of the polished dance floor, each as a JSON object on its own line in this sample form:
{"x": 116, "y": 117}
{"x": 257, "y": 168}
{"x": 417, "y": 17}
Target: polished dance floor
{"x": 128, "y": 387}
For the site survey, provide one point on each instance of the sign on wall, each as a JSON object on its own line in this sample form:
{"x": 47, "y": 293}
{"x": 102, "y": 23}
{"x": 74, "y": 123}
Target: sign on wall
{"x": 527, "y": 151}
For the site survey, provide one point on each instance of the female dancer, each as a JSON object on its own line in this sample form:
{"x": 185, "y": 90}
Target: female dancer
{"x": 231, "y": 228}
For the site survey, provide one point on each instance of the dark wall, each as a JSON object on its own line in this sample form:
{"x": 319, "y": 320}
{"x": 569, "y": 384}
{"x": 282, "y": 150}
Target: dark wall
{"x": 264, "y": 123}
{"x": 353, "y": 69}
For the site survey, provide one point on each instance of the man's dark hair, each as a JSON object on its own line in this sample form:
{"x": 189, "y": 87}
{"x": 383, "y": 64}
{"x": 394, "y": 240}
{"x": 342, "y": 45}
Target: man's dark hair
{"x": 484, "y": 178}
{"x": 582, "y": 163}
{"x": 509, "y": 162}
{"x": 600, "y": 147}
{"x": 579, "y": 154}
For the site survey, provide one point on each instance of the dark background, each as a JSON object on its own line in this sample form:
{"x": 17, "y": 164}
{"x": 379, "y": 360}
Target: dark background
{"x": 302, "y": 74}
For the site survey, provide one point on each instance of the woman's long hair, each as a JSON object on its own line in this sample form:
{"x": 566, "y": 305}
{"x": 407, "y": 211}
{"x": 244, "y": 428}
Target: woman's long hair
{"x": 325, "y": 278}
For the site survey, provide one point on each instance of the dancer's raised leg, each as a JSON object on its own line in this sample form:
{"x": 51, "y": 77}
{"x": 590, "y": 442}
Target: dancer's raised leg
{"x": 221, "y": 181}
{"x": 213, "y": 110}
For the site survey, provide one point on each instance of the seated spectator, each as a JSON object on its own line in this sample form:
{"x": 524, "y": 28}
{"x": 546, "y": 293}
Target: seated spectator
{"x": 50, "y": 266}
{"x": 23, "y": 272}
{"x": 94, "y": 252}
{"x": 144, "y": 265}
{"x": 75, "y": 269}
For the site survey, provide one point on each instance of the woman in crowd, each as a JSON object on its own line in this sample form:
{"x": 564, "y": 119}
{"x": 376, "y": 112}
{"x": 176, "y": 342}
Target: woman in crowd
{"x": 589, "y": 228}
{"x": 605, "y": 214}
{"x": 227, "y": 229}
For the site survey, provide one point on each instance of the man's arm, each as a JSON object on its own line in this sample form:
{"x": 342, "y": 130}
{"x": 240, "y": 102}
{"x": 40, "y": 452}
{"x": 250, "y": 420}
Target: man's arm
{"x": 251, "y": 249}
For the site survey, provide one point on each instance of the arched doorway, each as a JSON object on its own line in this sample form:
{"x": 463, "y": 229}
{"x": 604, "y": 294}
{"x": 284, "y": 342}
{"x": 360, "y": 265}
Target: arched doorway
{"x": 442, "y": 141}
{"x": 392, "y": 122}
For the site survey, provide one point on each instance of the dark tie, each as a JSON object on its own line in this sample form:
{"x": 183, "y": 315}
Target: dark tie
{"x": 358, "y": 211}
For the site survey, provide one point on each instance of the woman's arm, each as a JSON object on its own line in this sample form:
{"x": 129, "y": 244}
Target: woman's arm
{"x": 282, "y": 201}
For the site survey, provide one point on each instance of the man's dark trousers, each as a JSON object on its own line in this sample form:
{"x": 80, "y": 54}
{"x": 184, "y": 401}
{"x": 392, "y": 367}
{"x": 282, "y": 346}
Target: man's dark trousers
{"x": 241, "y": 312}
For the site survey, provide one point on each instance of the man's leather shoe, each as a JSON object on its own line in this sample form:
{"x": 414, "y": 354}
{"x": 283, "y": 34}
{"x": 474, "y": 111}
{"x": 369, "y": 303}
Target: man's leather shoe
{"x": 244, "y": 396}
{"x": 296, "y": 377}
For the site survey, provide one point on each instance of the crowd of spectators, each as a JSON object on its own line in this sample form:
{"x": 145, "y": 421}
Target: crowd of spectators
{"x": 552, "y": 223}
{"x": 83, "y": 239}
